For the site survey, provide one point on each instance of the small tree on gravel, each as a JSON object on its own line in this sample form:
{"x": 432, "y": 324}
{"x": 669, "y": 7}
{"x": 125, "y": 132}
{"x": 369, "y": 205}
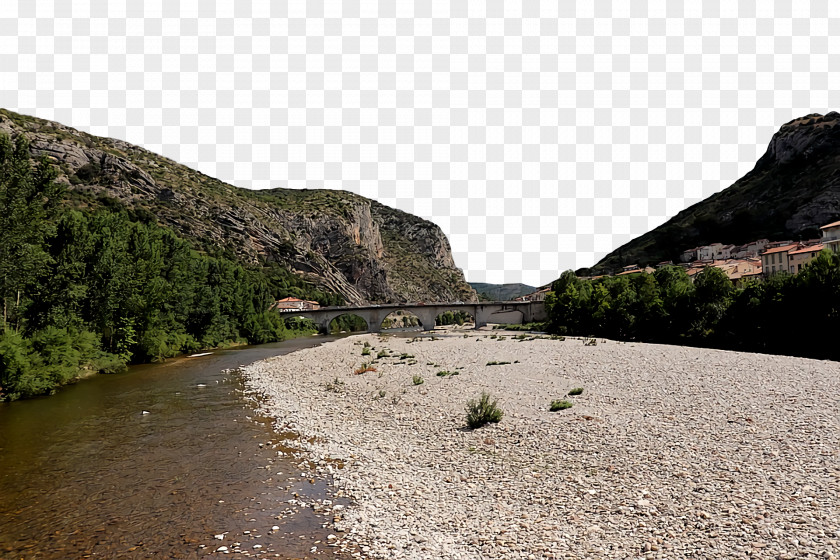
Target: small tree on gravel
{"x": 483, "y": 411}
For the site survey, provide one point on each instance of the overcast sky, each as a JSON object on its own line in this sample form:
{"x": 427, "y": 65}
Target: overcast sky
{"x": 538, "y": 135}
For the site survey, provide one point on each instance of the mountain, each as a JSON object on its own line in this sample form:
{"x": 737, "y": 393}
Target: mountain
{"x": 793, "y": 189}
{"x": 338, "y": 241}
{"x": 501, "y": 292}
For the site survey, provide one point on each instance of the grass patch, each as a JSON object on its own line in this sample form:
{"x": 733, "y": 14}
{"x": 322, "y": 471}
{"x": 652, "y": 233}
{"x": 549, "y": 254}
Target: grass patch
{"x": 494, "y": 363}
{"x": 541, "y": 327}
{"x": 576, "y": 391}
{"x": 366, "y": 351}
{"x": 335, "y": 386}
{"x": 417, "y": 379}
{"x": 560, "y": 405}
{"x": 483, "y": 411}
{"x": 445, "y": 373}
{"x": 382, "y": 353}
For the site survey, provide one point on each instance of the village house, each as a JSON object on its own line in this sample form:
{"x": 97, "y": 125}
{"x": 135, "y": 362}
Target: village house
{"x": 751, "y": 249}
{"x": 739, "y": 270}
{"x": 634, "y": 269}
{"x": 290, "y": 304}
{"x": 831, "y": 236}
{"x": 777, "y": 259}
{"x": 775, "y": 244}
{"x": 715, "y": 251}
{"x": 689, "y": 255}
{"x": 539, "y": 295}
{"x": 801, "y": 257}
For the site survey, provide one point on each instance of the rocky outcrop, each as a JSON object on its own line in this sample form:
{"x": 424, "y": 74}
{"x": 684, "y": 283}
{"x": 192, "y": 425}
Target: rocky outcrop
{"x": 339, "y": 241}
{"x": 793, "y": 189}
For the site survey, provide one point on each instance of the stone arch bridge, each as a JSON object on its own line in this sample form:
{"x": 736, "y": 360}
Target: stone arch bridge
{"x": 483, "y": 313}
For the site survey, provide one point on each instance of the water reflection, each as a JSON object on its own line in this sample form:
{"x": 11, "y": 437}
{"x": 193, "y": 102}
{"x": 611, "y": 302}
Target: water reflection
{"x": 87, "y": 473}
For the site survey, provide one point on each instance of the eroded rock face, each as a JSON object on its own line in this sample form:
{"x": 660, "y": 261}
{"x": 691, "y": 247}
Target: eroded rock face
{"x": 804, "y": 138}
{"x": 341, "y": 242}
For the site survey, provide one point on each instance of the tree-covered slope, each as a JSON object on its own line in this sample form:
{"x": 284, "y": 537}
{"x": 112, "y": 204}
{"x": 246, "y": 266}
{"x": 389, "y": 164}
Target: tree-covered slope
{"x": 337, "y": 241}
{"x": 88, "y": 291}
{"x": 792, "y": 191}
{"x": 501, "y": 292}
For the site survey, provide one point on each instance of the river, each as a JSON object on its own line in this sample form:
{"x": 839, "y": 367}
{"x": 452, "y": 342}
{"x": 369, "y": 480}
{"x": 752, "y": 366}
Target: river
{"x": 154, "y": 462}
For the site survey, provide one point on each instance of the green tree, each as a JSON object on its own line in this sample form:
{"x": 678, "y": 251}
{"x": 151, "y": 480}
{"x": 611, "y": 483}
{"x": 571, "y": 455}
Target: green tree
{"x": 29, "y": 199}
{"x": 711, "y": 300}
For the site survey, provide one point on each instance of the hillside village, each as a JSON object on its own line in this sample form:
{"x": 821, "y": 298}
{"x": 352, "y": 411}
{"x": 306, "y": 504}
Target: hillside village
{"x": 754, "y": 260}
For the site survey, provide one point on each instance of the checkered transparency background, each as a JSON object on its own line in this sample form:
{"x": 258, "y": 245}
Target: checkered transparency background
{"x": 539, "y": 135}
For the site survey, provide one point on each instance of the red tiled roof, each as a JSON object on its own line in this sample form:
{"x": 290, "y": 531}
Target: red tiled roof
{"x": 808, "y": 249}
{"x": 781, "y": 249}
{"x": 832, "y": 224}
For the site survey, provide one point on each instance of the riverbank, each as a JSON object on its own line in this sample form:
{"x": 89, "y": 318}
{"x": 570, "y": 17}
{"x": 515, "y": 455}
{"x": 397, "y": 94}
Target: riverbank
{"x": 167, "y": 460}
{"x": 669, "y": 452}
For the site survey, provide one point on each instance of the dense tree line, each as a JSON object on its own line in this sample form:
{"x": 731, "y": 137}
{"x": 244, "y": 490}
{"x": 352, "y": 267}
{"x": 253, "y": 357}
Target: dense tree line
{"x": 348, "y": 323}
{"x": 453, "y": 318}
{"x": 796, "y": 315}
{"x": 94, "y": 290}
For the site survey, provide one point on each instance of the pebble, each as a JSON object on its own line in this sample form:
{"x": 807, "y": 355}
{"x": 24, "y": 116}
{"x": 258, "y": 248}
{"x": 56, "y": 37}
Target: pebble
{"x": 670, "y": 452}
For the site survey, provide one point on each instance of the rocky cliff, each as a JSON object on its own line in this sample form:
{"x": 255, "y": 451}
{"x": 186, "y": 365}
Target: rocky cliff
{"x": 339, "y": 241}
{"x": 792, "y": 191}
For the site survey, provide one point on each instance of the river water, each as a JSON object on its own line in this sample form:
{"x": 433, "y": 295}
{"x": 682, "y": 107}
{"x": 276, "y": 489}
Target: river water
{"x": 154, "y": 463}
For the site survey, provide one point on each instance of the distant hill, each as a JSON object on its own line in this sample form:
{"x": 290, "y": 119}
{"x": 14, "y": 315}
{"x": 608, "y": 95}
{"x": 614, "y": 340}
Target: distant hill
{"x": 336, "y": 241}
{"x": 501, "y": 292}
{"x": 792, "y": 191}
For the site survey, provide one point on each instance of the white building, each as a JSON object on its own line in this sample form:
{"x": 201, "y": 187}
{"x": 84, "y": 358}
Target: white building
{"x": 714, "y": 252}
{"x": 831, "y": 236}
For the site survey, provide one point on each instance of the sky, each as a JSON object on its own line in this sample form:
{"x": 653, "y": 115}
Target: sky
{"x": 538, "y": 135}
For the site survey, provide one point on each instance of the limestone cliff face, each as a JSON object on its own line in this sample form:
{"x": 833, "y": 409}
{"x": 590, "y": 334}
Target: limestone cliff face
{"x": 792, "y": 191}
{"x": 339, "y": 241}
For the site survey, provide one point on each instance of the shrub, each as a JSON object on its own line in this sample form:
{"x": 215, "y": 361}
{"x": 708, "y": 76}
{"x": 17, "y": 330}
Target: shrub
{"x": 576, "y": 391}
{"x": 417, "y": 380}
{"x": 405, "y": 356}
{"x": 382, "y": 353}
{"x": 494, "y": 363}
{"x": 366, "y": 351}
{"x": 483, "y": 411}
{"x": 365, "y": 368}
{"x": 559, "y": 405}
{"x": 590, "y": 342}
{"x": 445, "y": 373}
{"x": 336, "y": 385}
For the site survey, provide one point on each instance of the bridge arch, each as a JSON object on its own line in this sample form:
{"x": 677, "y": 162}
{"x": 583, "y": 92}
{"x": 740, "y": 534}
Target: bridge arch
{"x": 402, "y": 318}
{"x": 455, "y": 316}
{"x": 347, "y": 322}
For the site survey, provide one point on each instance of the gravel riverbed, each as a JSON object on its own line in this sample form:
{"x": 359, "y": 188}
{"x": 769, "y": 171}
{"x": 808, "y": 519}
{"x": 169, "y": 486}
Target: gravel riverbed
{"x": 669, "y": 452}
